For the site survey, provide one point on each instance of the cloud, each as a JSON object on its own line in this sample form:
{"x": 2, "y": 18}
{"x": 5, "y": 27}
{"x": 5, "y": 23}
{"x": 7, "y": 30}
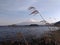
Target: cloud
{"x": 24, "y": 4}
{"x": 32, "y": 20}
{"x": 15, "y": 5}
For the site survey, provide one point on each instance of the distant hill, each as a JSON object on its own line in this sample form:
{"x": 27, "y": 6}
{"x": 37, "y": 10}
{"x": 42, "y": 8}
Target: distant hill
{"x": 33, "y": 25}
{"x": 57, "y": 23}
{"x": 28, "y": 23}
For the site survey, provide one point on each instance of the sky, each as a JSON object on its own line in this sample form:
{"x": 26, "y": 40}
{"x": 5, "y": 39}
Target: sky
{"x": 16, "y": 11}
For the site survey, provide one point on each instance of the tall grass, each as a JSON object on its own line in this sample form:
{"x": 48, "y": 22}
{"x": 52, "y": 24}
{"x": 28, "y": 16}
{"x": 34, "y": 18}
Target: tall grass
{"x": 30, "y": 40}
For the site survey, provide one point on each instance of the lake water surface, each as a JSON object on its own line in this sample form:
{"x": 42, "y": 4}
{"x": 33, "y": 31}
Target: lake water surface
{"x": 11, "y": 32}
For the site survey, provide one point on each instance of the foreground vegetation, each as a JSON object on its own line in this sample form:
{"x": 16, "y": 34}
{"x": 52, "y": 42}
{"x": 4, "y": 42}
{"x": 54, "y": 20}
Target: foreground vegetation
{"x": 52, "y": 38}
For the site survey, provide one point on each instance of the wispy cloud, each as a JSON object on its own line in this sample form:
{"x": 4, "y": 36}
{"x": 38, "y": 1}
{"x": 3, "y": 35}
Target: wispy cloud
{"x": 14, "y": 5}
{"x": 32, "y": 20}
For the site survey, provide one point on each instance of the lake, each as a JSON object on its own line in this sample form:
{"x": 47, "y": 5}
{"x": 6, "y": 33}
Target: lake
{"x": 7, "y": 33}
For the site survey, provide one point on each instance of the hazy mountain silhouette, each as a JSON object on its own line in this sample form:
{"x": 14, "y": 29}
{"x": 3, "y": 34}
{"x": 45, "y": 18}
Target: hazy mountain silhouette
{"x": 28, "y": 23}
